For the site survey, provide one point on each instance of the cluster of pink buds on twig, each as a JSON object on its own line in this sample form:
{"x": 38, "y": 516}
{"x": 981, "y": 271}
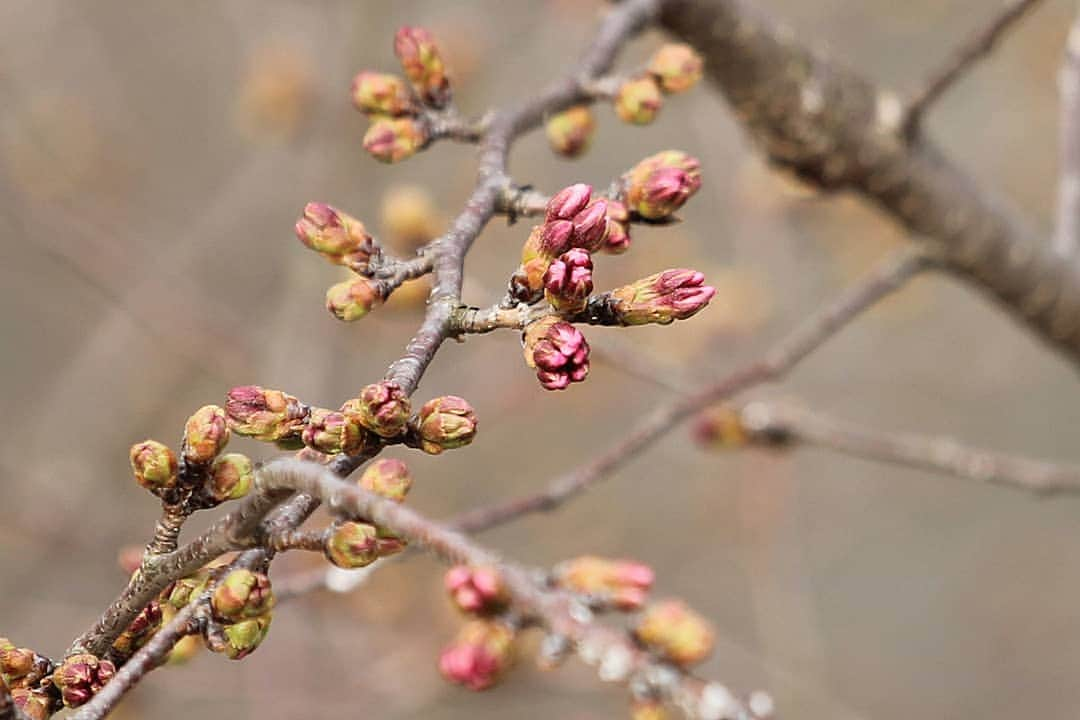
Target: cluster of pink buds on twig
{"x": 483, "y": 649}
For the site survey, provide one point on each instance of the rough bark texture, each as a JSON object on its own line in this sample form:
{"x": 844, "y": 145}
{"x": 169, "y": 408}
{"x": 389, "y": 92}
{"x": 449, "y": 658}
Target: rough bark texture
{"x": 837, "y": 130}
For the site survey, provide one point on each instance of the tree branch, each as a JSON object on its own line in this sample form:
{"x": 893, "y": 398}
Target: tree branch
{"x": 836, "y": 130}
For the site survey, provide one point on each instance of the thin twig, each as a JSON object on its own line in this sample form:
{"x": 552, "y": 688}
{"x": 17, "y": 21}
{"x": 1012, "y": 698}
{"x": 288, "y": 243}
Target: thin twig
{"x": 1067, "y": 227}
{"x": 887, "y": 278}
{"x": 977, "y": 46}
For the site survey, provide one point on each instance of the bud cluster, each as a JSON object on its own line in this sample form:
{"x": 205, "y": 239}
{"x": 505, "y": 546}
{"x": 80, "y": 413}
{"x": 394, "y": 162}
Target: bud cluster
{"x": 674, "y": 68}
{"x": 444, "y": 423}
{"x": 558, "y": 351}
{"x": 479, "y": 655}
{"x": 661, "y": 298}
{"x": 34, "y": 703}
{"x": 241, "y": 609}
{"x": 141, "y": 629}
{"x": 675, "y": 632}
{"x": 477, "y": 590}
{"x": 262, "y": 414}
{"x": 337, "y": 236}
{"x": 620, "y": 584}
{"x": 662, "y": 183}
{"x": 20, "y": 667}
{"x": 80, "y": 677}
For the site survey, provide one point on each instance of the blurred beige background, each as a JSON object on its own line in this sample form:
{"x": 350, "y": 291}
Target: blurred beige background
{"x": 153, "y": 157}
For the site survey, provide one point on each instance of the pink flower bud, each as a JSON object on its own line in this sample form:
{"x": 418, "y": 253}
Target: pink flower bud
{"x": 591, "y": 226}
{"x": 479, "y": 655}
{"x": 662, "y": 298}
{"x": 568, "y": 202}
{"x": 352, "y": 299}
{"x": 556, "y": 237}
{"x": 262, "y": 414}
{"x": 333, "y": 431}
{"x": 34, "y": 703}
{"x": 676, "y": 66}
{"x": 570, "y": 132}
{"x": 352, "y": 545}
{"x": 477, "y": 591}
{"x": 388, "y": 477}
{"x": 384, "y": 408}
{"x": 80, "y": 677}
{"x": 558, "y": 351}
{"x": 618, "y": 237}
{"x": 661, "y": 184}
{"x": 337, "y": 236}
{"x": 231, "y": 478}
{"x": 423, "y": 65}
{"x": 568, "y": 281}
{"x": 445, "y": 423}
{"x": 676, "y": 632}
{"x": 382, "y": 94}
{"x": 638, "y": 101}
{"x": 154, "y": 465}
{"x": 392, "y": 140}
{"x": 205, "y": 435}
{"x": 619, "y": 583}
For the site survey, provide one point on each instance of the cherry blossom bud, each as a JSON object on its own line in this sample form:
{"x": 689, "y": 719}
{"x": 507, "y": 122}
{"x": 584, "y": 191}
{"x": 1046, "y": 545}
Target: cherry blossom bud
{"x": 351, "y": 300}
{"x": 423, "y": 65}
{"x": 568, "y": 202}
{"x": 445, "y": 423}
{"x": 571, "y": 131}
{"x": 676, "y": 632}
{"x": 20, "y": 667}
{"x": 392, "y": 140}
{"x": 230, "y": 478}
{"x": 382, "y": 94}
{"x": 205, "y": 435}
{"x": 618, "y": 236}
{"x": 662, "y": 298}
{"x": 591, "y": 226}
{"x": 334, "y": 431}
{"x": 183, "y": 591}
{"x": 568, "y": 281}
{"x": 34, "y": 703}
{"x": 242, "y": 594}
{"x": 389, "y": 543}
{"x": 676, "y": 66}
{"x": 558, "y": 351}
{"x": 479, "y": 655}
{"x": 662, "y": 183}
{"x": 620, "y": 583}
{"x": 721, "y": 427}
{"x": 384, "y": 408}
{"x": 240, "y": 639}
{"x": 388, "y": 477}
{"x": 337, "y": 236}
{"x": 352, "y": 545}
{"x": 638, "y": 101}
{"x": 80, "y": 677}
{"x": 269, "y": 415}
{"x": 141, "y": 629}
{"x": 154, "y": 465}
{"x": 476, "y": 590}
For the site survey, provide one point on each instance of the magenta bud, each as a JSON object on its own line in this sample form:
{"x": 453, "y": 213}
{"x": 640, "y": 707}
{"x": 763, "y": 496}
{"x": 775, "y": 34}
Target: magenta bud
{"x": 476, "y": 590}
{"x": 384, "y": 408}
{"x": 568, "y": 281}
{"x": 621, "y": 584}
{"x": 591, "y": 226}
{"x": 556, "y": 237}
{"x": 80, "y": 677}
{"x": 568, "y": 202}
{"x": 660, "y": 184}
{"x": 419, "y": 55}
{"x": 479, "y": 655}
{"x": 337, "y": 236}
{"x": 618, "y": 236}
{"x": 558, "y": 351}
{"x": 662, "y": 298}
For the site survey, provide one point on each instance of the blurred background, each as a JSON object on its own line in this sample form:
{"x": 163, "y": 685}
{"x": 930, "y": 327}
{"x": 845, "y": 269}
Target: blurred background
{"x": 153, "y": 158}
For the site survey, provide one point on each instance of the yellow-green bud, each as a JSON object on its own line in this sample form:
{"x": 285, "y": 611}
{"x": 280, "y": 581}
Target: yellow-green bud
{"x": 230, "y": 478}
{"x": 154, "y": 465}
{"x": 392, "y": 140}
{"x": 638, "y": 101}
{"x": 352, "y": 545}
{"x": 388, "y": 477}
{"x": 244, "y": 637}
{"x": 352, "y": 299}
{"x": 676, "y": 66}
{"x": 570, "y": 132}
{"x": 382, "y": 94}
{"x": 242, "y": 594}
{"x": 205, "y": 434}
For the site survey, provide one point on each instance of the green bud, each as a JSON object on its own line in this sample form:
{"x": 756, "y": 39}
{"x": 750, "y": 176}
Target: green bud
{"x": 205, "y": 434}
{"x": 570, "y": 132}
{"x": 352, "y": 545}
{"x": 242, "y": 638}
{"x": 351, "y": 300}
{"x": 638, "y": 101}
{"x": 445, "y": 423}
{"x": 676, "y": 66}
{"x": 230, "y": 478}
{"x": 388, "y": 477}
{"x": 154, "y": 465}
{"x": 241, "y": 595}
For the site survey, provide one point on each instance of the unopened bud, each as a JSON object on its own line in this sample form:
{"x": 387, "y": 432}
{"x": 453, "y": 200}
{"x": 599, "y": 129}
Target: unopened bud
{"x": 382, "y": 94}
{"x": 568, "y": 281}
{"x": 337, "y": 236}
{"x": 662, "y": 298}
{"x": 33, "y": 703}
{"x": 244, "y": 637}
{"x": 676, "y": 66}
{"x": 568, "y": 202}
{"x": 423, "y": 65}
{"x": 331, "y": 431}
{"x": 183, "y": 591}
{"x": 384, "y": 408}
{"x": 20, "y": 667}
{"x": 676, "y": 632}
{"x": 269, "y": 415}
{"x": 388, "y": 477}
{"x": 479, "y": 655}
{"x": 242, "y": 594}
{"x": 445, "y": 423}
{"x": 231, "y": 477}
{"x": 721, "y": 427}
{"x": 618, "y": 236}
{"x": 638, "y": 101}
{"x": 141, "y": 629}
{"x": 591, "y": 226}
{"x": 352, "y": 545}
{"x": 662, "y": 183}
{"x": 205, "y": 435}
{"x": 389, "y": 543}
{"x": 620, "y": 583}
{"x": 571, "y": 131}
{"x": 80, "y": 677}
{"x": 476, "y": 590}
{"x": 351, "y": 300}
{"x": 154, "y": 465}
{"x": 392, "y": 140}
{"x": 558, "y": 351}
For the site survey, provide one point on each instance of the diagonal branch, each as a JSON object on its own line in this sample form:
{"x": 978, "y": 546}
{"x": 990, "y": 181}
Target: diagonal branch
{"x": 838, "y": 130}
{"x": 977, "y": 46}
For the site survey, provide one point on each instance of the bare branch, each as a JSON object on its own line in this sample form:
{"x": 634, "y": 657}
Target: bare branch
{"x": 977, "y": 46}
{"x": 1067, "y": 226}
